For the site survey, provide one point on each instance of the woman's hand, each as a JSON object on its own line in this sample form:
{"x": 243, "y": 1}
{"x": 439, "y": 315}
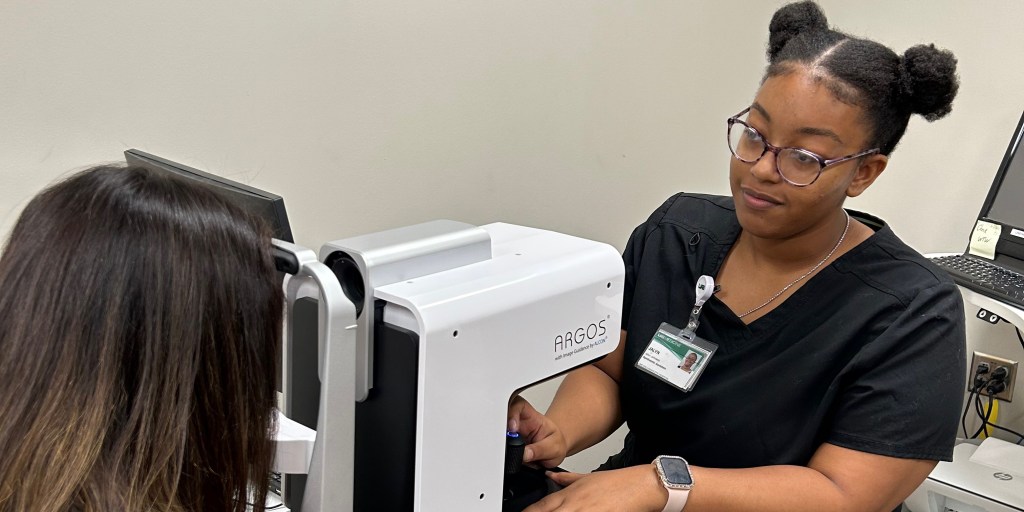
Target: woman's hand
{"x": 636, "y": 489}
{"x": 547, "y": 446}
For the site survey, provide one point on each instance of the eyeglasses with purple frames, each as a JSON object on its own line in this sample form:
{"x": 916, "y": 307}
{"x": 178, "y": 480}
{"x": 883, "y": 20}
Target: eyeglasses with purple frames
{"x": 798, "y": 161}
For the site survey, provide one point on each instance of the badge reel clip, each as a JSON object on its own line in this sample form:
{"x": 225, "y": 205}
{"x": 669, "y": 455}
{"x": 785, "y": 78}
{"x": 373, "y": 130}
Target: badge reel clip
{"x": 705, "y": 289}
{"x": 678, "y": 356}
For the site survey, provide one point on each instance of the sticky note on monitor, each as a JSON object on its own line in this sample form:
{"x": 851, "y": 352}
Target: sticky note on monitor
{"x": 984, "y": 239}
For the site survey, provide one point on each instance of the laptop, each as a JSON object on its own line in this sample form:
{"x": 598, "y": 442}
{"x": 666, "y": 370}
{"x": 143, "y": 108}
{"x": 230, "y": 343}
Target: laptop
{"x": 993, "y": 263}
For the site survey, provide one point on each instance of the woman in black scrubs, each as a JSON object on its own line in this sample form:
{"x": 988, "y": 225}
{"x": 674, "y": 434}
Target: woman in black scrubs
{"x": 840, "y": 350}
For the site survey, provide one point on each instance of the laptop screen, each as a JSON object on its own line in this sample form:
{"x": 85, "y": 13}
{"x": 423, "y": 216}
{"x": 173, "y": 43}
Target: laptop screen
{"x": 1005, "y": 203}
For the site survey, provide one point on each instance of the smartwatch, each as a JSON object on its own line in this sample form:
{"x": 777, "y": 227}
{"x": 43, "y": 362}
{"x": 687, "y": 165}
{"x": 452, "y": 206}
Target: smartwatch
{"x": 675, "y": 476}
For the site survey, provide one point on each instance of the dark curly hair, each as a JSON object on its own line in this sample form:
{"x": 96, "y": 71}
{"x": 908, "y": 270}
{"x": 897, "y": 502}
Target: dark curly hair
{"x": 863, "y": 73}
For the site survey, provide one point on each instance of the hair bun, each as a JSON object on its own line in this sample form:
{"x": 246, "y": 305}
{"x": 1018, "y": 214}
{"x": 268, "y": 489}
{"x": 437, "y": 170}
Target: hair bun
{"x": 928, "y": 80}
{"x": 790, "y": 20}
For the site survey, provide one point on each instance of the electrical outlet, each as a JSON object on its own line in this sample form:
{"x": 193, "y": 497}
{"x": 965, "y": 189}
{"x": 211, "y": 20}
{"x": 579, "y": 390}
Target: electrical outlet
{"x": 994, "y": 363}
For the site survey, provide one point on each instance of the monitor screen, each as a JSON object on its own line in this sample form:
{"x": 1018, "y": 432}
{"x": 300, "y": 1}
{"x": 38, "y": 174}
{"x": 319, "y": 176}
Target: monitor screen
{"x": 1005, "y": 202}
{"x": 258, "y": 202}
{"x": 1008, "y": 201}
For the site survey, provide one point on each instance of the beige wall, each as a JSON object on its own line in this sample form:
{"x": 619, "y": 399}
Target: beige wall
{"x": 574, "y": 116}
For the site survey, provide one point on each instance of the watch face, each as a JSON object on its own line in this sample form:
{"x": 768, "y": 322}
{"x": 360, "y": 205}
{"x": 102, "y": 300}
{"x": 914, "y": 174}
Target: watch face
{"x": 676, "y": 471}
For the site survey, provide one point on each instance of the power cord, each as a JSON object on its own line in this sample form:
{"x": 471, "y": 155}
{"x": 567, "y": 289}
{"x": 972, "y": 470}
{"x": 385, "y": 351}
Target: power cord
{"x": 997, "y": 383}
{"x": 985, "y": 415}
{"x": 975, "y": 396}
{"x": 963, "y": 417}
{"x": 993, "y": 384}
{"x": 979, "y": 383}
{"x": 985, "y": 423}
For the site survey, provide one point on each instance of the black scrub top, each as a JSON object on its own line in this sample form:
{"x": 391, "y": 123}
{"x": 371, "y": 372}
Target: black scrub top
{"x": 868, "y": 354}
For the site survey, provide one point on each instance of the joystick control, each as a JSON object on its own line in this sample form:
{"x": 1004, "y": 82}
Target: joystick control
{"x": 515, "y": 445}
{"x": 524, "y": 484}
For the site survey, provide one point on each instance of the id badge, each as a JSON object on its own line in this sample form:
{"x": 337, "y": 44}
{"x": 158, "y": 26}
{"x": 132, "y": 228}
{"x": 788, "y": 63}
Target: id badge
{"x": 676, "y": 356}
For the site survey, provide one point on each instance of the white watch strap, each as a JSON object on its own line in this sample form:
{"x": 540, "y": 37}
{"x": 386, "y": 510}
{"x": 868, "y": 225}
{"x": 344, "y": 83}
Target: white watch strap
{"x": 676, "y": 500}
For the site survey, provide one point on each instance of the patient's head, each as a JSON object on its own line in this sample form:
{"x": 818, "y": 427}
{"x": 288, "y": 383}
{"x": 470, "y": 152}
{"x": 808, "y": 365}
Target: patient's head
{"x": 139, "y": 319}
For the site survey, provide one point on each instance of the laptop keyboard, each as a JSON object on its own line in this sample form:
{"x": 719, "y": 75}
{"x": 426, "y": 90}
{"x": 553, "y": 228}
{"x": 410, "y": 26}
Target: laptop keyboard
{"x": 984, "y": 277}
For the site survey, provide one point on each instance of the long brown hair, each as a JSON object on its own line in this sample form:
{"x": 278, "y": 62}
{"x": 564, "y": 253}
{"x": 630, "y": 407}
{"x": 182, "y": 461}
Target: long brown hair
{"x": 139, "y": 319}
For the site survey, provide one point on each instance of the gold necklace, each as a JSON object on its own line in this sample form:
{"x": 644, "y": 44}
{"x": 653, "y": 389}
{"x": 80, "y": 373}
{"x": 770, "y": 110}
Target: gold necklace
{"x": 809, "y": 272}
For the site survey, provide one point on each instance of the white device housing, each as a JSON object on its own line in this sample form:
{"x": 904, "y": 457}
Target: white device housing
{"x": 395, "y": 255}
{"x": 967, "y": 486}
{"x": 497, "y": 308}
{"x": 492, "y": 328}
{"x": 330, "y": 452}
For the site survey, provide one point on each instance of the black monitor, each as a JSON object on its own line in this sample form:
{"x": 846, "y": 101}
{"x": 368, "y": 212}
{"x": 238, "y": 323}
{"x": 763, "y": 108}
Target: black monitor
{"x": 258, "y": 202}
{"x": 1004, "y": 204}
